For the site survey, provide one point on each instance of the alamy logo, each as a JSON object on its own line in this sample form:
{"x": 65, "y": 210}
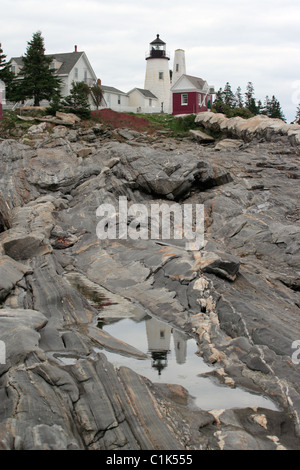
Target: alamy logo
{"x": 2, "y": 353}
{"x": 296, "y": 93}
{"x": 296, "y": 354}
{"x": 158, "y": 221}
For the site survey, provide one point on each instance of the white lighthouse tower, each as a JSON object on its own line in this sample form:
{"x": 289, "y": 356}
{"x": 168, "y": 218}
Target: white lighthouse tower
{"x": 157, "y": 78}
{"x": 179, "y": 67}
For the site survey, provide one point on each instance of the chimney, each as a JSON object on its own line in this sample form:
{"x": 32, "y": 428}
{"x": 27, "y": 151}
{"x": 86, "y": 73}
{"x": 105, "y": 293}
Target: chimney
{"x": 99, "y": 81}
{"x": 75, "y": 49}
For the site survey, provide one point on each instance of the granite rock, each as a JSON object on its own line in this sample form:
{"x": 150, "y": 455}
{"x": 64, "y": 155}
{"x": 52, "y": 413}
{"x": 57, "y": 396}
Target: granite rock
{"x": 238, "y": 295}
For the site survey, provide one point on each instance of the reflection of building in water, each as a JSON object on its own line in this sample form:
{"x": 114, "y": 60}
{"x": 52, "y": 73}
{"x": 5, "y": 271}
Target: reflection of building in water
{"x": 159, "y": 338}
{"x": 180, "y": 346}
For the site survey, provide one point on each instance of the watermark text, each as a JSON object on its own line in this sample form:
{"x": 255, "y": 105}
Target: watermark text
{"x": 158, "y": 221}
{"x": 296, "y": 354}
{"x": 2, "y": 353}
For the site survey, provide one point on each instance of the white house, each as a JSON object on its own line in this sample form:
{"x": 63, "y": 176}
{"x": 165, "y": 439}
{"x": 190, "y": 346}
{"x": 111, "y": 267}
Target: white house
{"x": 143, "y": 100}
{"x": 114, "y": 99}
{"x": 136, "y": 100}
{"x": 2, "y": 92}
{"x": 70, "y": 67}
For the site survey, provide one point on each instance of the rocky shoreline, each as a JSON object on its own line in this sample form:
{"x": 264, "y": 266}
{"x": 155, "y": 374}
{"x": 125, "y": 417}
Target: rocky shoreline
{"x": 238, "y": 297}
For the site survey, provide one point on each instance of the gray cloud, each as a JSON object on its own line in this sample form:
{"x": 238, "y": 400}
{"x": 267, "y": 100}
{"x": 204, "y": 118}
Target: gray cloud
{"x": 224, "y": 40}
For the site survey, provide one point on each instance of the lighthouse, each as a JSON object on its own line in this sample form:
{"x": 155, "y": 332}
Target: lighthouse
{"x": 157, "y": 78}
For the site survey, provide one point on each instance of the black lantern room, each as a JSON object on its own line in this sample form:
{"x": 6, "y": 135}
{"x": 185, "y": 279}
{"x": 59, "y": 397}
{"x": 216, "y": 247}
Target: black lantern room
{"x": 157, "y": 49}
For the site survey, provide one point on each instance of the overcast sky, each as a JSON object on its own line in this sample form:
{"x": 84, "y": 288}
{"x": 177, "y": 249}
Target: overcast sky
{"x": 224, "y": 40}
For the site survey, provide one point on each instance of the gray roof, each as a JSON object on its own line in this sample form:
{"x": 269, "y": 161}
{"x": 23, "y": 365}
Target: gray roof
{"x": 196, "y": 81}
{"x": 18, "y": 60}
{"x": 146, "y": 93}
{"x": 68, "y": 59}
{"x": 111, "y": 89}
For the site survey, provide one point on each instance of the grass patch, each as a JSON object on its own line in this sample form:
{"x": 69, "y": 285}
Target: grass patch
{"x": 148, "y": 122}
{"x": 11, "y": 125}
{"x": 175, "y": 126}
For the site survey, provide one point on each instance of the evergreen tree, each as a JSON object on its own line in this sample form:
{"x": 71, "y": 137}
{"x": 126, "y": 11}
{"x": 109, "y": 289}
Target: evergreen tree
{"x": 297, "y": 118}
{"x": 5, "y": 73}
{"x": 259, "y": 107}
{"x": 272, "y": 108}
{"x": 250, "y": 102}
{"x": 220, "y": 96}
{"x": 229, "y": 97}
{"x": 219, "y": 105}
{"x": 264, "y": 107}
{"x": 239, "y": 97}
{"x": 39, "y": 79}
{"x": 78, "y": 100}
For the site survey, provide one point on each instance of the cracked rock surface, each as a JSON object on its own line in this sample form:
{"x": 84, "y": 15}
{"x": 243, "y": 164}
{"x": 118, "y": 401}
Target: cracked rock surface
{"x": 238, "y": 296}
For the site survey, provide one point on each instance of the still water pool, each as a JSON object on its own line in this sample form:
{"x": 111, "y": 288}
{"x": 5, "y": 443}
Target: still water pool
{"x": 173, "y": 359}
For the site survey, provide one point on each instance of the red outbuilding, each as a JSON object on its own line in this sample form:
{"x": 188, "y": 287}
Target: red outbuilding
{"x": 191, "y": 95}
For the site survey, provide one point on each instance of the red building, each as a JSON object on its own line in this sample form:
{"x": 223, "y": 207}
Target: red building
{"x": 191, "y": 95}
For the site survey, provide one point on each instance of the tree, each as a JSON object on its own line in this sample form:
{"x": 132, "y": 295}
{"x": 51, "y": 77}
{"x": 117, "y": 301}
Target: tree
{"x": 97, "y": 95}
{"x": 78, "y": 100}
{"x": 259, "y": 107}
{"x": 272, "y": 108}
{"x": 297, "y": 118}
{"x": 220, "y": 96}
{"x": 229, "y": 97}
{"x": 5, "y": 73}
{"x": 219, "y": 105}
{"x": 239, "y": 97}
{"x": 250, "y": 100}
{"x": 39, "y": 79}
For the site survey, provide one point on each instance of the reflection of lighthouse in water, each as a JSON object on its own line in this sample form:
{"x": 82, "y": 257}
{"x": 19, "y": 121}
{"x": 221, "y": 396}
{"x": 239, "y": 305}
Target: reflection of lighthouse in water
{"x": 159, "y": 339}
{"x": 180, "y": 346}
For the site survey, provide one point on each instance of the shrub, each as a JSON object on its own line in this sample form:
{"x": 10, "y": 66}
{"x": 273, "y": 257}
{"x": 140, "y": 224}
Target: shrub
{"x": 77, "y": 102}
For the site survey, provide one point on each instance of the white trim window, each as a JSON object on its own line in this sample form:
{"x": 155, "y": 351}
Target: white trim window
{"x": 184, "y": 99}
{"x": 160, "y": 75}
{"x": 76, "y": 73}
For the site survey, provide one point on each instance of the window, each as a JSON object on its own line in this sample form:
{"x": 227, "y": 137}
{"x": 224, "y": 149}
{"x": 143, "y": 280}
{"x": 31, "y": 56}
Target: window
{"x": 177, "y": 67}
{"x": 160, "y": 75}
{"x": 150, "y": 102}
{"x": 76, "y": 73}
{"x": 85, "y": 76}
{"x": 184, "y": 99}
{"x": 13, "y": 69}
{"x": 119, "y": 99}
